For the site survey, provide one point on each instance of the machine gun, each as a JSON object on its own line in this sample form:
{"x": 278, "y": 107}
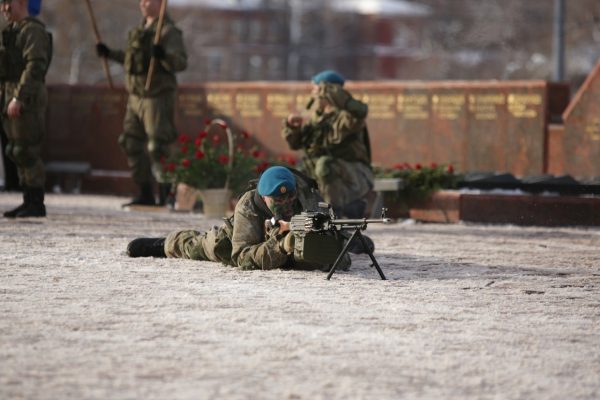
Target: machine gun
{"x": 319, "y": 239}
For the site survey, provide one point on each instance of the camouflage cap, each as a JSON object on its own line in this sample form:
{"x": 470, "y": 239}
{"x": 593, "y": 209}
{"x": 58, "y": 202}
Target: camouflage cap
{"x": 276, "y": 181}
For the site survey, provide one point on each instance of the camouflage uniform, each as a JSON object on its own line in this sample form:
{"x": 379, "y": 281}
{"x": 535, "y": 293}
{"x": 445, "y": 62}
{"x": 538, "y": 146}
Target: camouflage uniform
{"x": 150, "y": 117}
{"x": 251, "y": 244}
{"x": 25, "y": 55}
{"x": 337, "y": 150}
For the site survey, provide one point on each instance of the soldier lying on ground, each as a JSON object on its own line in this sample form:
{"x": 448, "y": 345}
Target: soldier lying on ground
{"x": 247, "y": 240}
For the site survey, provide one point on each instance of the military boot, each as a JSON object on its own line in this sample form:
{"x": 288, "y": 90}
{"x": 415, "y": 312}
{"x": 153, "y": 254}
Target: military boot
{"x": 145, "y": 198}
{"x": 147, "y": 247}
{"x": 165, "y": 195}
{"x": 13, "y": 213}
{"x": 355, "y": 209}
{"x": 35, "y": 206}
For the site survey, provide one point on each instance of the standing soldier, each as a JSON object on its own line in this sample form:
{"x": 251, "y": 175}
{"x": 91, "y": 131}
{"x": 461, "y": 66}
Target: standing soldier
{"x": 25, "y": 55}
{"x": 149, "y": 126}
{"x": 336, "y": 145}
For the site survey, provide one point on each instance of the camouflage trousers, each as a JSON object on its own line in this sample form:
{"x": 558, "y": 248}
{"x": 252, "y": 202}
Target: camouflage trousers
{"x": 25, "y": 135}
{"x": 212, "y": 245}
{"x": 148, "y": 132}
{"x": 341, "y": 182}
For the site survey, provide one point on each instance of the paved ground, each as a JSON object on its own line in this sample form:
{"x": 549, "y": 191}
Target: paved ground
{"x": 468, "y": 312}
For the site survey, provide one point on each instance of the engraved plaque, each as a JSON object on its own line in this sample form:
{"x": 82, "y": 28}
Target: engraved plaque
{"x": 248, "y": 105}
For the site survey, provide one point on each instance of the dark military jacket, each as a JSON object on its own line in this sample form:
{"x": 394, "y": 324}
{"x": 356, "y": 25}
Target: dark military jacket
{"x": 341, "y": 133}
{"x": 25, "y": 55}
{"x": 136, "y": 59}
{"x": 252, "y": 246}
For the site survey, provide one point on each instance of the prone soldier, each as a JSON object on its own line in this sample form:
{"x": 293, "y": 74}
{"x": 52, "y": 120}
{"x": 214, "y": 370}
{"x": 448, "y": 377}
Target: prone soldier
{"x": 248, "y": 240}
{"x": 25, "y": 55}
{"x": 149, "y": 125}
{"x": 336, "y": 145}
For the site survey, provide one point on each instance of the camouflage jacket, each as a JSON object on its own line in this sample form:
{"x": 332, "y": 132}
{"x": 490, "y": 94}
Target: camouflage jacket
{"x": 136, "y": 59}
{"x": 341, "y": 133}
{"x": 25, "y": 55}
{"x": 252, "y": 246}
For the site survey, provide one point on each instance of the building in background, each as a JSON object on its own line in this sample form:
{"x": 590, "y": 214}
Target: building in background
{"x": 240, "y": 40}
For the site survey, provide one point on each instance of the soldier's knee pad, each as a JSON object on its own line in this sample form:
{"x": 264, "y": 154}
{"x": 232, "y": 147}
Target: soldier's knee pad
{"x": 130, "y": 145}
{"x": 22, "y": 155}
{"x": 324, "y": 167}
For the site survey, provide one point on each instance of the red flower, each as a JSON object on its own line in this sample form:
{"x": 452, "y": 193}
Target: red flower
{"x": 171, "y": 167}
{"x": 291, "y": 160}
{"x": 223, "y": 159}
{"x": 183, "y": 138}
{"x": 257, "y": 154}
{"x": 202, "y": 134}
{"x": 407, "y": 166}
{"x": 184, "y": 149}
{"x": 186, "y": 163}
{"x": 260, "y": 168}
{"x": 199, "y": 154}
{"x": 198, "y": 141}
{"x": 207, "y": 121}
{"x": 450, "y": 169}
{"x": 418, "y": 166}
{"x": 216, "y": 139}
{"x": 398, "y": 166}
{"x": 239, "y": 148}
{"x": 433, "y": 165}
{"x": 245, "y": 134}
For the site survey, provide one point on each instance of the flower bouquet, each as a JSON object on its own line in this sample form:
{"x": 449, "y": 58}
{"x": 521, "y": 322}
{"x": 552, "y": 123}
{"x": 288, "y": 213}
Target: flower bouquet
{"x": 214, "y": 159}
{"x": 419, "y": 183}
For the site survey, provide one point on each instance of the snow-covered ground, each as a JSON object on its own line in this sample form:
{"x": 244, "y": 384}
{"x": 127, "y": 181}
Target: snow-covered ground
{"x": 468, "y": 312}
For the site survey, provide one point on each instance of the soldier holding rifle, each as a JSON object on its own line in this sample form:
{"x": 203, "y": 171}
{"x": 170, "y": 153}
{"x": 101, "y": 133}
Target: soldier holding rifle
{"x": 149, "y": 125}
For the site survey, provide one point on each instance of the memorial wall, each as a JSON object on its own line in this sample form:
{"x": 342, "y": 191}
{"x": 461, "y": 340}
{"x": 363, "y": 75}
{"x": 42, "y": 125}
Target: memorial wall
{"x": 578, "y": 143}
{"x": 475, "y": 125}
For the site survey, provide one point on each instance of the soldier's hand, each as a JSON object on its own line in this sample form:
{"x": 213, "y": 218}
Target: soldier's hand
{"x": 287, "y": 243}
{"x": 102, "y": 50}
{"x": 284, "y": 226}
{"x": 336, "y": 95}
{"x": 294, "y": 120}
{"x": 14, "y": 109}
{"x": 158, "y": 52}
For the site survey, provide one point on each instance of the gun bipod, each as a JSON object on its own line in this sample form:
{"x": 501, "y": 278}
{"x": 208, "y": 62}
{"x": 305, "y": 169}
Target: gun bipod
{"x": 357, "y": 233}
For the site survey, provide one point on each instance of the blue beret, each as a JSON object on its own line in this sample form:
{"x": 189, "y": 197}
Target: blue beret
{"x": 328, "y": 76}
{"x": 34, "y": 7}
{"x": 276, "y": 181}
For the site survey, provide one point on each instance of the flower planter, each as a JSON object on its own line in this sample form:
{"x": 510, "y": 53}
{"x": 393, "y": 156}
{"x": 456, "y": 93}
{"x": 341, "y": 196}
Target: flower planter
{"x": 185, "y": 197}
{"x": 215, "y": 202}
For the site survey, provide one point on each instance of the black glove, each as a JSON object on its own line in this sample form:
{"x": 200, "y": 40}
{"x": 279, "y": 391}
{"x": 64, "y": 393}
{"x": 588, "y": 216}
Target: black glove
{"x": 102, "y": 50}
{"x": 158, "y": 52}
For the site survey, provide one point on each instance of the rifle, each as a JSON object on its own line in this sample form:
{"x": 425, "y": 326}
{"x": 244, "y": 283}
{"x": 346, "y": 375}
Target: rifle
{"x": 318, "y": 236}
{"x": 99, "y": 40}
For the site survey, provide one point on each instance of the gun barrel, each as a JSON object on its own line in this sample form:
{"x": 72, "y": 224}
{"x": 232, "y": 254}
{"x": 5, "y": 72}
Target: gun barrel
{"x": 360, "y": 221}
